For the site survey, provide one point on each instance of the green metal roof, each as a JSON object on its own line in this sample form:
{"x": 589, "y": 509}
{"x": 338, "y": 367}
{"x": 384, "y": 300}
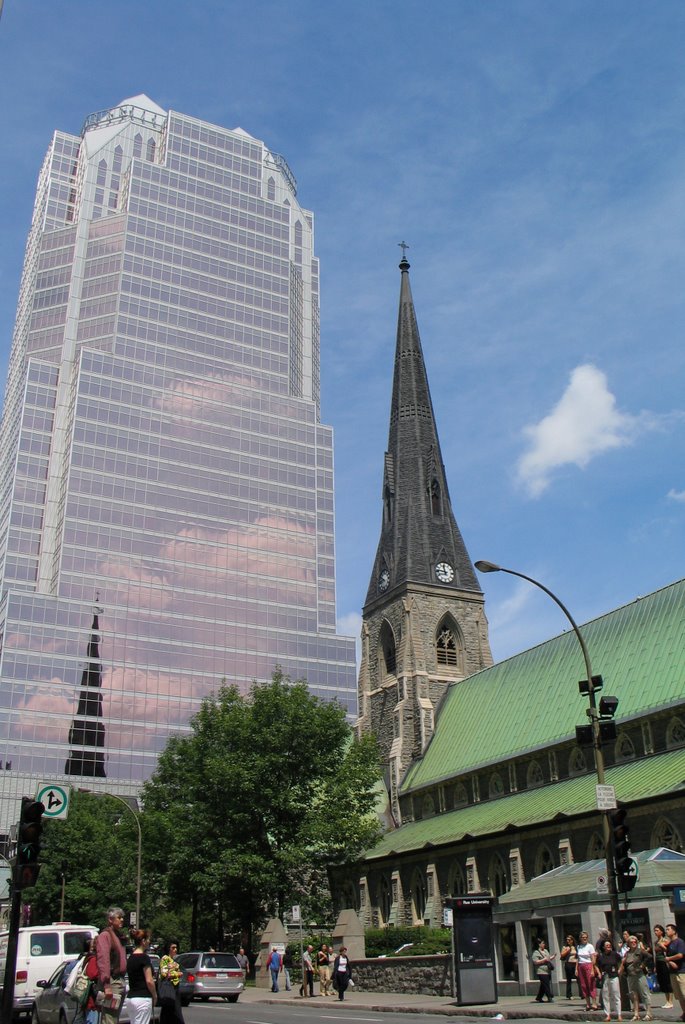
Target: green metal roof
{"x": 532, "y": 700}
{"x": 658, "y": 869}
{"x": 634, "y": 780}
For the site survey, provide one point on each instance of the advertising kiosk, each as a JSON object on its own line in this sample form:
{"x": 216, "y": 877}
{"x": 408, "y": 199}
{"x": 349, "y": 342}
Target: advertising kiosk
{"x": 474, "y": 950}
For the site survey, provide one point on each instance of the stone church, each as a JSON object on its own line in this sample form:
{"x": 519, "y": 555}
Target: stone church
{"x": 487, "y": 787}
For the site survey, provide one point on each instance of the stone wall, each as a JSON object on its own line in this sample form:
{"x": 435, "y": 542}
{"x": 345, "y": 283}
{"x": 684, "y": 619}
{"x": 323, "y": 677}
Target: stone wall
{"x": 423, "y": 975}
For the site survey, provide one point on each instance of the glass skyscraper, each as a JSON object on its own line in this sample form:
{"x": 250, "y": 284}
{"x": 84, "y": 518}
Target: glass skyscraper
{"x": 166, "y": 485}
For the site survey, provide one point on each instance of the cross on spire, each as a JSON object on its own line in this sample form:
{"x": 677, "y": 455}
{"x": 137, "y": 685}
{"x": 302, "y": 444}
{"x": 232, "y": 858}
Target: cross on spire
{"x": 403, "y": 246}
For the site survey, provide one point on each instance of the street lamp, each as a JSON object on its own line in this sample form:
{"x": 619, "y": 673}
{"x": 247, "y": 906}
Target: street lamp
{"x": 128, "y": 807}
{"x": 607, "y": 705}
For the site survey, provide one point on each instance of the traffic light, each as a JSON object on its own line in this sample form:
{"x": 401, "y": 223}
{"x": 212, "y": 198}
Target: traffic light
{"x": 625, "y": 877}
{"x": 26, "y": 866}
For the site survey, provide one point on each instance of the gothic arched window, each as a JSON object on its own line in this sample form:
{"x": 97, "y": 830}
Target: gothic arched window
{"x": 595, "y": 848}
{"x": 419, "y": 895}
{"x": 456, "y": 882}
{"x": 384, "y": 899}
{"x": 461, "y": 796}
{"x": 138, "y": 145}
{"x": 102, "y": 172}
{"x": 388, "y": 660}
{"x": 427, "y": 806}
{"x": 436, "y": 498}
{"x": 675, "y": 734}
{"x": 666, "y": 834}
{"x": 544, "y": 861}
{"x": 151, "y": 147}
{"x": 496, "y": 787}
{"x": 577, "y": 764}
{"x": 271, "y": 189}
{"x": 534, "y": 776}
{"x": 448, "y": 646}
{"x": 624, "y": 751}
{"x": 498, "y": 881}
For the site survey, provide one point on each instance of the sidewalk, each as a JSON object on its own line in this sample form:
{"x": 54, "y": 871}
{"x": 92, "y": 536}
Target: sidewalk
{"x": 510, "y": 1007}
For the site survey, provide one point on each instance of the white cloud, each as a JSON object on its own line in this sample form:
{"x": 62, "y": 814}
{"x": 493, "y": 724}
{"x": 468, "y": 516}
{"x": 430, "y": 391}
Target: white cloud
{"x": 584, "y": 423}
{"x": 676, "y": 495}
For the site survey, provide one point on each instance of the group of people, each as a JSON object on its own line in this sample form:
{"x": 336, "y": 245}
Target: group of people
{"x": 334, "y": 971}
{"x": 108, "y": 965}
{"x": 601, "y": 965}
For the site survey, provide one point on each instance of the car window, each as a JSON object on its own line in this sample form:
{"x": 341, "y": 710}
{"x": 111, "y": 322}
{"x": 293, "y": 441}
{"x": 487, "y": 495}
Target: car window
{"x": 44, "y": 943}
{"x": 59, "y": 973}
{"x": 186, "y": 959}
{"x": 224, "y": 961}
{"x": 74, "y": 942}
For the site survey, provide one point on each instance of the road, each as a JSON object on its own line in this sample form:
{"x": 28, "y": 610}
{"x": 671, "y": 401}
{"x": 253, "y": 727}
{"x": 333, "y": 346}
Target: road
{"x": 219, "y": 1012}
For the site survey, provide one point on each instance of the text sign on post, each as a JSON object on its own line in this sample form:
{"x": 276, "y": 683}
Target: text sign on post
{"x": 606, "y": 798}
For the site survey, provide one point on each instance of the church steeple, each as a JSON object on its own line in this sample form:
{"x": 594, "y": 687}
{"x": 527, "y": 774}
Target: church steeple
{"x": 420, "y": 541}
{"x": 424, "y": 624}
{"x": 87, "y": 733}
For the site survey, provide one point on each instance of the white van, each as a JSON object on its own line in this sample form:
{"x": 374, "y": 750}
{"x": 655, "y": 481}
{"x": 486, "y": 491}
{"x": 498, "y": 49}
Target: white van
{"x": 40, "y": 951}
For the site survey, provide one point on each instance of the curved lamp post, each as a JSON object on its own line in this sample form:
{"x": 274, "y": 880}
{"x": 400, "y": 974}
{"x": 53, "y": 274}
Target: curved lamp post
{"x": 593, "y": 715}
{"x": 128, "y": 807}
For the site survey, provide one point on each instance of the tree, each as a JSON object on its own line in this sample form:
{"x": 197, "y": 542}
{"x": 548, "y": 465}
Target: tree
{"x": 263, "y": 792}
{"x": 95, "y": 848}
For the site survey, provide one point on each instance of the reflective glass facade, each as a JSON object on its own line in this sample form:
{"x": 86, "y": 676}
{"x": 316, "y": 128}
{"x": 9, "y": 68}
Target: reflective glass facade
{"x": 166, "y": 486}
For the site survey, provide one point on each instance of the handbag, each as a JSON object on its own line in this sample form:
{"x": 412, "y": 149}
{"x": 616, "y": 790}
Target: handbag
{"x": 166, "y": 990}
{"x": 78, "y": 984}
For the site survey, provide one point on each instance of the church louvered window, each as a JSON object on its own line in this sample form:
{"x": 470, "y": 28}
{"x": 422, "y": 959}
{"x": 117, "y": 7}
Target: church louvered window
{"x": 436, "y": 502}
{"x": 447, "y": 643}
{"x": 388, "y": 654}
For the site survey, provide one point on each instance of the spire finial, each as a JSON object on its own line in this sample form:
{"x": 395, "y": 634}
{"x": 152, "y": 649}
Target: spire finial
{"x": 404, "y": 262}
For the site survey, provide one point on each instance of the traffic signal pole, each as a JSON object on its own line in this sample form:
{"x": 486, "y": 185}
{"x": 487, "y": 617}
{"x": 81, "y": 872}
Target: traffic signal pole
{"x": 11, "y": 961}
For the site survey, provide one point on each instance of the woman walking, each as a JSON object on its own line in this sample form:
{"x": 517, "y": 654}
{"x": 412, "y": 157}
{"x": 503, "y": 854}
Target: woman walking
{"x": 170, "y": 974}
{"x": 342, "y": 972}
{"x": 543, "y": 964}
{"x": 142, "y": 994}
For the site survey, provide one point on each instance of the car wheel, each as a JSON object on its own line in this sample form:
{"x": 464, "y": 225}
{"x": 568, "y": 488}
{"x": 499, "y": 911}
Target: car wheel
{"x": 232, "y": 999}
{"x": 35, "y": 1019}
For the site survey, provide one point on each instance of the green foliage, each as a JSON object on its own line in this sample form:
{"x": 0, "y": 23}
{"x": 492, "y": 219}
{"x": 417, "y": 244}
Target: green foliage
{"x": 257, "y": 803}
{"x": 425, "y": 941}
{"x": 97, "y": 847}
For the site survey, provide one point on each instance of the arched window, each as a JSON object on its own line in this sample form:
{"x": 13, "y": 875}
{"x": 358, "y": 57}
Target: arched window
{"x": 118, "y": 157}
{"x": 534, "y": 776}
{"x": 496, "y": 787}
{"x": 271, "y": 189}
{"x": 419, "y": 895}
{"x": 498, "y": 882}
{"x": 436, "y": 498}
{"x": 675, "y": 734}
{"x": 666, "y": 834}
{"x": 150, "y": 153}
{"x": 456, "y": 882}
{"x": 448, "y": 645}
{"x": 350, "y": 896}
{"x": 577, "y": 764}
{"x": 384, "y": 899}
{"x": 388, "y": 658}
{"x": 102, "y": 172}
{"x": 544, "y": 861}
{"x": 427, "y": 806}
{"x": 461, "y": 796}
{"x": 138, "y": 145}
{"x": 624, "y": 750}
{"x": 595, "y": 848}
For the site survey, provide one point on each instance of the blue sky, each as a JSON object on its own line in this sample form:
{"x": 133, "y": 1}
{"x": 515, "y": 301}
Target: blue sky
{"x": 533, "y": 156}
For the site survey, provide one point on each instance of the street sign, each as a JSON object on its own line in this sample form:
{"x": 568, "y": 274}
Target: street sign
{"x": 55, "y": 799}
{"x": 606, "y": 798}
{"x": 296, "y": 914}
{"x": 447, "y": 917}
{"x": 602, "y": 885}
{"x": 679, "y": 896}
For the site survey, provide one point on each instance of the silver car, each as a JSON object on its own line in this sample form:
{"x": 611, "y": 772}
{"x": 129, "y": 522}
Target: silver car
{"x": 210, "y": 974}
{"x": 53, "y": 1005}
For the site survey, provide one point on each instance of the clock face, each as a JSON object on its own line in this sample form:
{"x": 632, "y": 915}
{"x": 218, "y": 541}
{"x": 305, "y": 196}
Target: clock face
{"x": 444, "y": 572}
{"x": 384, "y": 580}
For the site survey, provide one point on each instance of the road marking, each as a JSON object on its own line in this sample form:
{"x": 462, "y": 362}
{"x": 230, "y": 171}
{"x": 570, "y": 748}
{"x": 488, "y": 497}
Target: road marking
{"x": 325, "y": 1016}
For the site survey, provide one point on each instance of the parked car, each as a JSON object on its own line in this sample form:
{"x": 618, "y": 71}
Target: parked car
{"x": 40, "y": 951}
{"x": 210, "y": 974}
{"x": 52, "y": 1005}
